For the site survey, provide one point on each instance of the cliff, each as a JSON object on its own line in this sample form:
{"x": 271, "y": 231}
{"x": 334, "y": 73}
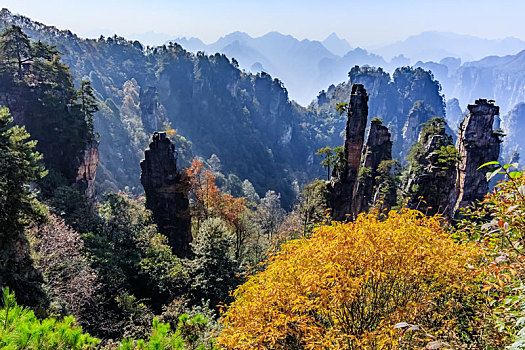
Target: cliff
{"x": 87, "y": 170}
{"x": 166, "y": 194}
{"x": 477, "y": 144}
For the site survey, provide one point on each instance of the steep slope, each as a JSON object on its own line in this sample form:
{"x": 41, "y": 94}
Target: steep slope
{"x": 295, "y": 62}
{"x": 513, "y": 125}
{"x": 336, "y": 45}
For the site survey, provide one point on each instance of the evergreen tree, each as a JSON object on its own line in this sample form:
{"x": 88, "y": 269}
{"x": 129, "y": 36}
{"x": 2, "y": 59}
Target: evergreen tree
{"x": 19, "y": 167}
{"x": 429, "y": 178}
{"x": 213, "y": 273}
{"x": 88, "y": 103}
{"x": 15, "y": 46}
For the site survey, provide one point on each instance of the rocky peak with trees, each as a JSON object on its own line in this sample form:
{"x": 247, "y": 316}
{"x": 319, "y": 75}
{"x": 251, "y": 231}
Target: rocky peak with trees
{"x": 477, "y": 142}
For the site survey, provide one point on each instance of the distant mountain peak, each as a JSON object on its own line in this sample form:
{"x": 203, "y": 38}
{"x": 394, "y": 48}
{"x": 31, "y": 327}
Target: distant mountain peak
{"x": 332, "y": 35}
{"x": 336, "y": 45}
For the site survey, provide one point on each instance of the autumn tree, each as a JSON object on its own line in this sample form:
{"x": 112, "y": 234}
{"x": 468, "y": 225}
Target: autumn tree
{"x": 497, "y": 224}
{"x": 210, "y": 202}
{"x": 348, "y": 285}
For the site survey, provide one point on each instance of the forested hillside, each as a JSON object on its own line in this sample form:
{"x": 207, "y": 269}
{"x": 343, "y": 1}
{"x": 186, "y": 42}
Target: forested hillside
{"x": 247, "y": 120}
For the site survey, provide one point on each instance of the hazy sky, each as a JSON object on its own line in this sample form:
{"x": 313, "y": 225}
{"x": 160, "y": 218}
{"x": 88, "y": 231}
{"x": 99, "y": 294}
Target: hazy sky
{"x": 365, "y": 22}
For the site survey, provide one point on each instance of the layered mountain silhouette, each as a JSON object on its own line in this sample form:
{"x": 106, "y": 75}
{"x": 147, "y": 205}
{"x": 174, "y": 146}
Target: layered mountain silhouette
{"x": 434, "y": 46}
{"x": 309, "y": 66}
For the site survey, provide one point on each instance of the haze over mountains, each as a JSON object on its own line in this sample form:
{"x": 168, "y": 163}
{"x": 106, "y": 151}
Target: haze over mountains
{"x": 309, "y": 66}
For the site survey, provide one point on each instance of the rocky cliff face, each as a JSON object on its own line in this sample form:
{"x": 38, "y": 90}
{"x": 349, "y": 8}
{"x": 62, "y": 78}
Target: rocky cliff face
{"x": 377, "y": 150}
{"x": 477, "y": 144}
{"x": 419, "y": 114}
{"x": 343, "y": 186}
{"x": 87, "y": 170}
{"x": 152, "y": 111}
{"x": 166, "y": 194}
{"x": 513, "y": 125}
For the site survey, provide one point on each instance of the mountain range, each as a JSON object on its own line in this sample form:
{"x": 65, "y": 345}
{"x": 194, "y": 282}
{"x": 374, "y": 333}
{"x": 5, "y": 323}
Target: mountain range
{"x": 309, "y": 66}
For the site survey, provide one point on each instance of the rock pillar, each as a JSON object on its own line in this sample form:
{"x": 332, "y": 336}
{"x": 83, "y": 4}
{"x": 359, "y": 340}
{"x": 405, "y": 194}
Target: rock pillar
{"x": 167, "y": 194}
{"x": 378, "y": 149}
{"x": 343, "y": 186}
{"x": 477, "y": 144}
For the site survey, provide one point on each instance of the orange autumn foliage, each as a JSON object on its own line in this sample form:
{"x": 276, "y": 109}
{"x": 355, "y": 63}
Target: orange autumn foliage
{"x": 210, "y": 200}
{"x": 349, "y": 284}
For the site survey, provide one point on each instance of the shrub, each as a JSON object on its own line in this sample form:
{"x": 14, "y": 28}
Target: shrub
{"x": 498, "y": 226}
{"x": 348, "y": 285}
{"x": 187, "y": 336}
{"x": 20, "y": 329}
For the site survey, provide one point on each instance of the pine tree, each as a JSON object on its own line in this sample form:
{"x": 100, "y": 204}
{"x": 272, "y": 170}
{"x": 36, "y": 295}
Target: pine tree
{"x": 88, "y": 103}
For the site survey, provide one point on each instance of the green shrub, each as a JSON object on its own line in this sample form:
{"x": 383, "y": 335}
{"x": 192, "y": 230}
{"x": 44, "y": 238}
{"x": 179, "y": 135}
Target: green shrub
{"x": 20, "y": 329}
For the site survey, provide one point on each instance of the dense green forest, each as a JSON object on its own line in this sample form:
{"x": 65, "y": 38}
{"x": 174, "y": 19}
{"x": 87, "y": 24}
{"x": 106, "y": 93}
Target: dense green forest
{"x": 424, "y": 256}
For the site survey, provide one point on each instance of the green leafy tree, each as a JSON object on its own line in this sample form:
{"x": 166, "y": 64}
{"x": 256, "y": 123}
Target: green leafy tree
{"x": 19, "y": 167}
{"x": 314, "y": 205}
{"x": 429, "y": 178}
{"x": 187, "y": 336}
{"x": 88, "y": 103}
{"x": 137, "y": 271}
{"x": 213, "y": 272}
{"x": 16, "y": 47}
{"x": 330, "y": 159}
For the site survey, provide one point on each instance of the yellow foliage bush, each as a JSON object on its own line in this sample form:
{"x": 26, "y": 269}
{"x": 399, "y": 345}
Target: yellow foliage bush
{"x": 349, "y": 284}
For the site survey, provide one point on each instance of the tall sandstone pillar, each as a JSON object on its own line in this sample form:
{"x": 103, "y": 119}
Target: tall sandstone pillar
{"x": 166, "y": 194}
{"x": 378, "y": 149}
{"x": 477, "y": 144}
{"x": 343, "y": 187}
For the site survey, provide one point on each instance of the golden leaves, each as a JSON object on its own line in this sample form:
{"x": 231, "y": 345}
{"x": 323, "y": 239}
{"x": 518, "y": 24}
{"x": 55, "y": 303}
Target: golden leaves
{"x": 347, "y": 285}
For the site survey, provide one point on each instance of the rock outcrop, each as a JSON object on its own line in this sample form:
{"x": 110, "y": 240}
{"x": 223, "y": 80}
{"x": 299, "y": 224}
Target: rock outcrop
{"x": 87, "y": 170}
{"x": 152, "y": 111}
{"x": 431, "y": 177}
{"x": 477, "y": 144}
{"x": 167, "y": 193}
{"x": 377, "y": 150}
{"x": 344, "y": 184}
